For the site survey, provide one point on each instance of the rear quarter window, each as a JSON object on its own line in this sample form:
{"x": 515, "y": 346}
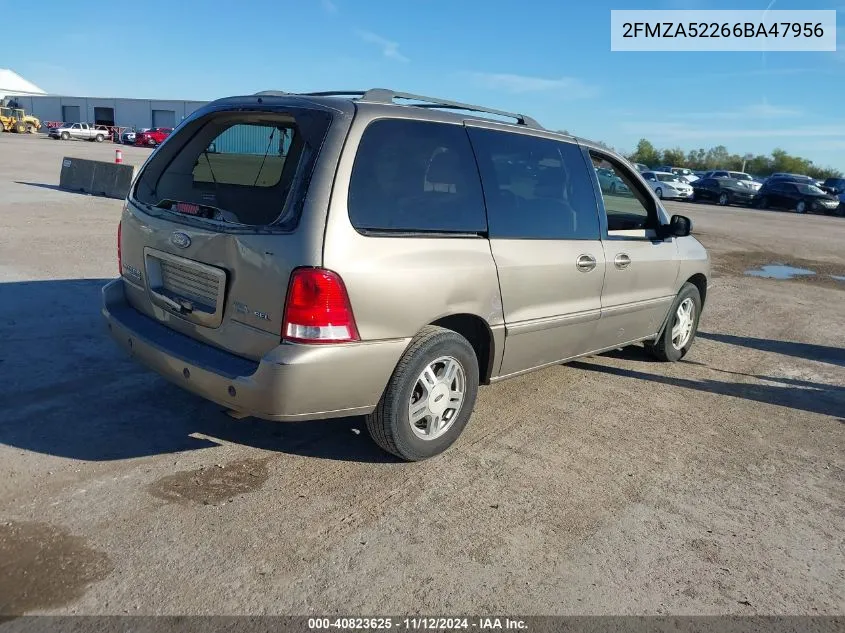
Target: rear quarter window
{"x": 415, "y": 176}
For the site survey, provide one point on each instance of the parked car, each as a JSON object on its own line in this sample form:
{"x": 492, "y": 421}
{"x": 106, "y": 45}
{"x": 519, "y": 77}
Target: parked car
{"x": 128, "y": 136}
{"x": 339, "y": 260}
{"x": 685, "y": 175}
{"x": 725, "y": 191}
{"x": 667, "y": 185}
{"x": 792, "y": 177}
{"x": 641, "y": 167}
{"x": 789, "y": 178}
{"x": 610, "y": 182}
{"x": 740, "y": 176}
{"x": 833, "y": 186}
{"x": 787, "y": 194}
{"x": 152, "y": 137}
{"x": 81, "y": 131}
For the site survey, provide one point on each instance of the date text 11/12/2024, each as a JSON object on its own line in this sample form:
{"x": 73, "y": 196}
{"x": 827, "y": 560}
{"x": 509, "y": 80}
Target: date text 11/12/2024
{"x": 417, "y": 624}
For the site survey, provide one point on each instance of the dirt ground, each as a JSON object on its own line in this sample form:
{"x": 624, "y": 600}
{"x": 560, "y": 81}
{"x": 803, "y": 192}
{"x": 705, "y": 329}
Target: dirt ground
{"x": 611, "y": 485}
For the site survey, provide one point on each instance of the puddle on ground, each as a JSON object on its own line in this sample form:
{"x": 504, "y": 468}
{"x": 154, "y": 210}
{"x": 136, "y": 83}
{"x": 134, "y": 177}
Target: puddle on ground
{"x": 771, "y": 265}
{"x": 779, "y": 271}
{"x": 212, "y": 484}
{"x": 42, "y": 566}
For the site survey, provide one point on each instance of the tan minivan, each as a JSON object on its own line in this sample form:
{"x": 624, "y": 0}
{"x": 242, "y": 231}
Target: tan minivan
{"x": 305, "y": 256}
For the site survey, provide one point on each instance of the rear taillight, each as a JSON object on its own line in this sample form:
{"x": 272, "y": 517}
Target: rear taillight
{"x": 119, "y": 253}
{"x": 317, "y": 309}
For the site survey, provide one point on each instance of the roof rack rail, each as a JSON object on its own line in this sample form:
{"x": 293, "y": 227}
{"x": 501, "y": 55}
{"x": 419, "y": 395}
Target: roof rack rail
{"x": 271, "y": 93}
{"x": 336, "y": 93}
{"x": 383, "y": 95}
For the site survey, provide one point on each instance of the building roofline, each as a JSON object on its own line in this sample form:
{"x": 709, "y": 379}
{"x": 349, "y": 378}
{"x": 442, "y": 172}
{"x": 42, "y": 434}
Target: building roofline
{"x": 58, "y": 96}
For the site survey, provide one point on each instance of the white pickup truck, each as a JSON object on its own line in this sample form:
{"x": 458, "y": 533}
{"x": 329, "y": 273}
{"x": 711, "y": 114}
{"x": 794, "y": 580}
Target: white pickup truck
{"x": 83, "y": 131}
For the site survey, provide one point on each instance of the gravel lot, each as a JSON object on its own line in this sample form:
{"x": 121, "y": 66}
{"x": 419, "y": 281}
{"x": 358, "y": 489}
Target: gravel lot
{"x": 609, "y": 485}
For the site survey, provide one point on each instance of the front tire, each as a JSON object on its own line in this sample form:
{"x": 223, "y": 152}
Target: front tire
{"x": 65, "y": 136}
{"x": 724, "y": 199}
{"x": 659, "y": 193}
{"x": 678, "y": 335}
{"x": 764, "y": 203}
{"x": 430, "y": 396}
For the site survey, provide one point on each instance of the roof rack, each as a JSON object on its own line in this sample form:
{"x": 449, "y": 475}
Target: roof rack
{"x": 383, "y": 95}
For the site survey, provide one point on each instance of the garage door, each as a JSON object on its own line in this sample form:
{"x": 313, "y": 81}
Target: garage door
{"x": 164, "y": 118}
{"x": 70, "y": 114}
{"x": 104, "y": 116}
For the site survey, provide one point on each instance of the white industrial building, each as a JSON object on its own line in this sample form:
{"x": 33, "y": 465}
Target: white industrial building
{"x": 138, "y": 113}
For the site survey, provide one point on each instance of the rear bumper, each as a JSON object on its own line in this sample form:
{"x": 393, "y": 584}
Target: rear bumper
{"x": 291, "y": 382}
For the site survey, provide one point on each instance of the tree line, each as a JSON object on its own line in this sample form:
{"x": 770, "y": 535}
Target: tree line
{"x": 719, "y": 158}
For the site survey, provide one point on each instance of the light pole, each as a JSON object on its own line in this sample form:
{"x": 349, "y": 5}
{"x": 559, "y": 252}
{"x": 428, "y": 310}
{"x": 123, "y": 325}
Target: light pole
{"x": 745, "y": 159}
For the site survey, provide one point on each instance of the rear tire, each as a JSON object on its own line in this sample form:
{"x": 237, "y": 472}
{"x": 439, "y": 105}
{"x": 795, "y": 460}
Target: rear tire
{"x": 801, "y": 207}
{"x": 659, "y": 193}
{"x": 724, "y": 199}
{"x": 764, "y": 203}
{"x": 672, "y": 345}
{"x": 390, "y": 424}
{"x": 99, "y": 138}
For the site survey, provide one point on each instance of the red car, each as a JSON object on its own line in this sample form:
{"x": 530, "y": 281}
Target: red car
{"x": 152, "y": 137}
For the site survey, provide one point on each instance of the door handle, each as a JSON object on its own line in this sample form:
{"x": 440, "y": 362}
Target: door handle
{"x": 585, "y": 263}
{"x": 622, "y": 261}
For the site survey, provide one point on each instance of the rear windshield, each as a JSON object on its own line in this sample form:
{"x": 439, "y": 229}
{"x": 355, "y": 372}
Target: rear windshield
{"x": 242, "y": 168}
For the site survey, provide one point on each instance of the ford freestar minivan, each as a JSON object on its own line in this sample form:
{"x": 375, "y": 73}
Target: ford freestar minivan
{"x": 304, "y": 256}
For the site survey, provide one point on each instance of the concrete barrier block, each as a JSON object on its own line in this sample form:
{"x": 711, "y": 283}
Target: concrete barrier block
{"x": 96, "y": 177}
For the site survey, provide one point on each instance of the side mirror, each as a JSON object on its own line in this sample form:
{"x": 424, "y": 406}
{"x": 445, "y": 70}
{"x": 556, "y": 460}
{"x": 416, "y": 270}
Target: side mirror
{"x": 679, "y": 226}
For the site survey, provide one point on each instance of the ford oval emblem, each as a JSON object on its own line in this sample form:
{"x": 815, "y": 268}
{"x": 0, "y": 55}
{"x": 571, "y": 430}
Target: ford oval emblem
{"x": 180, "y": 239}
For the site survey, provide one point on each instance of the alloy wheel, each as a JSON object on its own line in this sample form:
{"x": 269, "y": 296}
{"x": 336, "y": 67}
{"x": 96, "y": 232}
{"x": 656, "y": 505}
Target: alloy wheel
{"x": 684, "y": 321}
{"x": 437, "y": 397}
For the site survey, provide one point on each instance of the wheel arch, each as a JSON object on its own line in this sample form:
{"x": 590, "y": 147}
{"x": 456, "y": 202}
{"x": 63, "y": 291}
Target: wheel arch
{"x": 699, "y": 280}
{"x": 478, "y": 332}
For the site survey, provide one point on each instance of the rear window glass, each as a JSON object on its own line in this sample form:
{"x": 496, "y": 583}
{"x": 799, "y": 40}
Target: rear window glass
{"x": 415, "y": 176}
{"x": 244, "y": 168}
